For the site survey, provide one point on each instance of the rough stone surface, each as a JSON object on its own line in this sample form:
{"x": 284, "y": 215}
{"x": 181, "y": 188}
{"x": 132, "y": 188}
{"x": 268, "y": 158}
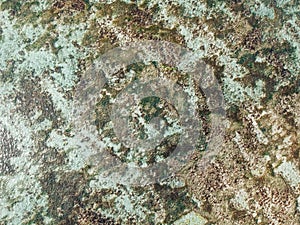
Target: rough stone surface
{"x": 46, "y": 174}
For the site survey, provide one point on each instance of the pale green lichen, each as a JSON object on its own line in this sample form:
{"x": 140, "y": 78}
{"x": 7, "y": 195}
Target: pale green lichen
{"x": 254, "y": 49}
{"x": 289, "y": 171}
{"x": 259, "y": 8}
{"x": 241, "y": 200}
{"x": 191, "y": 218}
{"x": 21, "y": 192}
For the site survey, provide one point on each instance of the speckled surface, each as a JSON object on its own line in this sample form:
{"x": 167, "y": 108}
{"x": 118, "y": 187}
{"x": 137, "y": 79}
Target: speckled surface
{"x": 48, "y": 175}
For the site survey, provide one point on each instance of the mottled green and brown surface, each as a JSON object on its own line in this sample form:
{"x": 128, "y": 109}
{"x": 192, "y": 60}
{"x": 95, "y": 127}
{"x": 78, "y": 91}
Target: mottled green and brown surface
{"x": 254, "y": 48}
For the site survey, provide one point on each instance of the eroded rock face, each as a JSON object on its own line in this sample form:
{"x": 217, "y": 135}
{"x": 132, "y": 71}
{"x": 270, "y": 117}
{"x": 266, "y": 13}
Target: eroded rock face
{"x": 50, "y": 174}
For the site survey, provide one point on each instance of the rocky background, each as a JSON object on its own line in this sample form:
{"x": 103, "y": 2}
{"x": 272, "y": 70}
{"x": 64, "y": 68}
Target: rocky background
{"x": 254, "y": 47}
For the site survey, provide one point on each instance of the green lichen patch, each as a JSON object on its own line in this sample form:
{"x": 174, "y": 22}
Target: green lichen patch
{"x": 45, "y": 173}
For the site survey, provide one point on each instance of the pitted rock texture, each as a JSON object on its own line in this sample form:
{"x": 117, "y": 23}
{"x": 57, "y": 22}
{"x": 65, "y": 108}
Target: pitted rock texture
{"x": 48, "y": 175}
